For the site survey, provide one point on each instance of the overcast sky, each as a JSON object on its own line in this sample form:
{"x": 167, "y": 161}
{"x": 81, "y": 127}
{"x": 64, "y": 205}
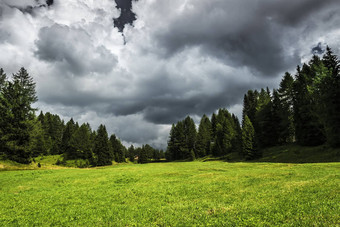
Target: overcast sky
{"x": 178, "y": 58}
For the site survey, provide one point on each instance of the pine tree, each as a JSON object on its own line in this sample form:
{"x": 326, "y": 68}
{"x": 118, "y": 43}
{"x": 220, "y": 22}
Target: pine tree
{"x": 204, "y": 137}
{"x": 250, "y": 105}
{"x": 131, "y": 153}
{"x": 285, "y": 109}
{"x": 327, "y": 94}
{"x": 117, "y": 148}
{"x": 171, "y": 149}
{"x": 265, "y": 131}
{"x": 225, "y": 133}
{"x": 308, "y": 129}
{"x": 16, "y": 101}
{"x": 248, "y": 139}
{"x": 80, "y": 144}
{"x": 237, "y": 140}
{"x": 102, "y": 150}
{"x": 143, "y": 157}
{"x": 37, "y": 144}
{"x": 70, "y": 128}
{"x": 4, "y": 111}
{"x": 190, "y": 136}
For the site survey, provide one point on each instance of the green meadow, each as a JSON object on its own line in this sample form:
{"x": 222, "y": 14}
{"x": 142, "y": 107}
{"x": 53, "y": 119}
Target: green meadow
{"x": 196, "y": 193}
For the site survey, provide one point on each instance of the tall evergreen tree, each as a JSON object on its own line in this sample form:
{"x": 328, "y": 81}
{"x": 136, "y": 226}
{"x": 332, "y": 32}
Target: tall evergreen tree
{"x": 143, "y": 156}
{"x": 70, "y": 128}
{"x": 190, "y": 136}
{"x": 131, "y": 153}
{"x": 37, "y": 144}
{"x": 225, "y": 133}
{"x": 248, "y": 139}
{"x": 171, "y": 149}
{"x": 117, "y": 148}
{"x": 18, "y": 97}
{"x": 237, "y": 140}
{"x": 285, "y": 109}
{"x": 204, "y": 137}
{"x": 250, "y": 105}
{"x": 308, "y": 129}
{"x": 102, "y": 150}
{"x": 4, "y": 111}
{"x": 327, "y": 92}
{"x": 79, "y": 146}
{"x": 265, "y": 128}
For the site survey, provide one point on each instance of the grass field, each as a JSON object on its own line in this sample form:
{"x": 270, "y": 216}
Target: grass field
{"x": 174, "y": 194}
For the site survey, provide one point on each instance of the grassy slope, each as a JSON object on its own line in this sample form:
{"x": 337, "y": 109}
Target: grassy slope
{"x": 299, "y": 154}
{"x": 184, "y": 193}
{"x": 46, "y": 162}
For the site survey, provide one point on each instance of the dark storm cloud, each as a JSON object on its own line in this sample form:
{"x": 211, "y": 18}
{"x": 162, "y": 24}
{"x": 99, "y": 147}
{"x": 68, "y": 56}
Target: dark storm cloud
{"x": 318, "y": 49}
{"x": 247, "y": 33}
{"x": 126, "y": 14}
{"x": 73, "y": 50}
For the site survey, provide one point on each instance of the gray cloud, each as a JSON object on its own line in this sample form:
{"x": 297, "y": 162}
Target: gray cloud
{"x": 248, "y": 33}
{"x": 181, "y": 57}
{"x": 73, "y": 50}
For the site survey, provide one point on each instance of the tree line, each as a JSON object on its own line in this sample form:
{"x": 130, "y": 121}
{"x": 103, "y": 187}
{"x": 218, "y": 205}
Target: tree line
{"x": 24, "y": 136}
{"x": 305, "y": 109}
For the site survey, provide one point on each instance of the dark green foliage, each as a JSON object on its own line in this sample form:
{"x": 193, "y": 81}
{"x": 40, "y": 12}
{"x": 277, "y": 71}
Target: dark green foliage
{"x": 284, "y": 109}
{"x": 248, "y": 139}
{"x": 225, "y": 133}
{"x": 204, "y": 136}
{"x": 37, "y": 142}
{"x": 53, "y": 127}
{"x": 250, "y": 105}
{"x": 308, "y": 129}
{"x": 327, "y": 94}
{"x": 182, "y": 140}
{"x": 266, "y": 133}
{"x": 192, "y": 156}
{"x": 102, "y": 151}
{"x": 70, "y": 128}
{"x": 4, "y": 111}
{"x": 131, "y": 153}
{"x": 79, "y": 145}
{"x": 17, "y": 96}
{"x": 190, "y": 134}
{"x": 237, "y": 140}
{"x": 118, "y": 149}
{"x": 143, "y": 155}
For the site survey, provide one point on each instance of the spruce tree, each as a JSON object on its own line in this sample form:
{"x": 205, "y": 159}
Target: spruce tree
{"x": 171, "y": 149}
{"x": 4, "y": 111}
{"x": 17, "y": 98}
{"x": 70, "y": 128}
{"x": 117, "y": 148}
{"x": 80, "y": 144}
{"x": 308, "y": 129}
{"x": 285, "y": 109}
{"x": 204, "y": 137}
{"x": 248, "y": 139}
{"x": 266, "y": 133}
{"x": 131, "y": 153}
{"x": 190, "y": 136}
{"x": 143, "y": 156}
{"x": 327, "y": 94}
{"x": 102, "y": 150}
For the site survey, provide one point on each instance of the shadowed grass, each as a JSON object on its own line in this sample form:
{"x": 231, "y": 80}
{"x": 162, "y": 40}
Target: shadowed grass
{"x": 174, "y": 194}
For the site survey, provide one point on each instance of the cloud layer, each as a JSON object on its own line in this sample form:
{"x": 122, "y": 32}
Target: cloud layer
{"x": 180, "y": 57}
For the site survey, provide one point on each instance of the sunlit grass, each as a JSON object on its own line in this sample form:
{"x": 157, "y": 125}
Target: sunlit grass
{"x": 173, "y": 194}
